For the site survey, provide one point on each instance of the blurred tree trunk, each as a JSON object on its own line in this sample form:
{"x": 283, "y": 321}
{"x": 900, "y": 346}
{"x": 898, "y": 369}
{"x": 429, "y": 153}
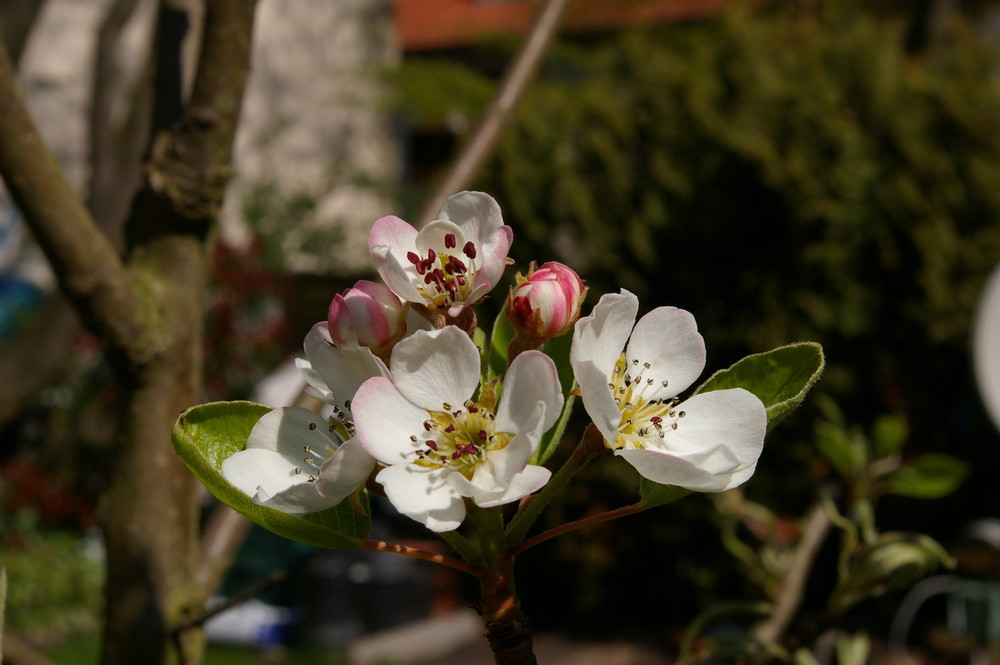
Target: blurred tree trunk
{"x": 144, "y": 307}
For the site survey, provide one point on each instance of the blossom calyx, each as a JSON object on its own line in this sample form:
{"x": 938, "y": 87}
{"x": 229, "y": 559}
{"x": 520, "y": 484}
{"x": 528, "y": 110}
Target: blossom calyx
{"x": 547, "y": 302}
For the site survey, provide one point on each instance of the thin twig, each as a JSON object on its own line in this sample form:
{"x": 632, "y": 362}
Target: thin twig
{"x": 265, "y": 584}
{"x": 512, "y": 88}
{"x": 593, "y": 520}
{"x": 417, "y": 553}
{"x": 792, "y": 589}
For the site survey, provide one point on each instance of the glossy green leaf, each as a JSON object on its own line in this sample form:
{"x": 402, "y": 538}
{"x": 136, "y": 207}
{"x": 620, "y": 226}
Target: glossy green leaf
{"x": 205, "y": 435}
{"x": 780, "y": 378}
{"x": 654, "y": 494}
{"x": 928, "y": 476}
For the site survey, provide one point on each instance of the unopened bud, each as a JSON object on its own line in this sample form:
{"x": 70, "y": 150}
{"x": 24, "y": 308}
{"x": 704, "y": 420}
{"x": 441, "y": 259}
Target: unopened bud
{"x": 547, "y": 302}
{"x": 367, "y": 314}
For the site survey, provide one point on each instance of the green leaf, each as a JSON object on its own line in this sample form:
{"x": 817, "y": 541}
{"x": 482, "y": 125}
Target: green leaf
{"x": 889, "y": 433}
{"x": 496, "y": 354}
{"x": 848, "y": 455}
{"x": 928, "y": 476}
{"x": 205, "y": 435}
{"x": 655, "y": 494}
{"x": 780, "y": 378}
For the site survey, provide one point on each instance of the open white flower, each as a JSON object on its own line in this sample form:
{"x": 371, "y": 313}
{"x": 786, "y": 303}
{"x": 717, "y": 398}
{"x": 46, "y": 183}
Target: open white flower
{"x": 439, "y": 443}
{"x": 450, "y": 263}
{"x": 629, "y": 381}
{"x": 296, "y": 462}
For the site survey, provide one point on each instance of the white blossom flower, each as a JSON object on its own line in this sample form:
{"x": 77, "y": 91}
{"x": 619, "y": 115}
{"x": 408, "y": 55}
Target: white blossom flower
{"x": 439, "y": 443}
{"x": 296, "y": 462}
{"x": 450, "y": 263}
{"x": 629, "y": 380}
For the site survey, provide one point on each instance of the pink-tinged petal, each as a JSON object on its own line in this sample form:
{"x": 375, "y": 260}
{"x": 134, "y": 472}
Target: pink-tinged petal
{"x": 530, "y": 479}
{"x": 345, "y": 472}
{"x": 342, "y": 370}
{"x": 600, "y": 337}
{"x": 667, "y": 338}
{"x": 271, "y": 480}
{"x": 394, "y": 234}
{"x": 385, "y": 420}
{"x": 734, "y": 419}
{"x": 389, "y": 242}
{"x": 436, "y": 367}
{"x": 287, "y": 431}
{"x": 492, "y": 258}
{"x": 478, "y": 215}
{"x": 423, "y": 495}
{"x": 531, "y": 378}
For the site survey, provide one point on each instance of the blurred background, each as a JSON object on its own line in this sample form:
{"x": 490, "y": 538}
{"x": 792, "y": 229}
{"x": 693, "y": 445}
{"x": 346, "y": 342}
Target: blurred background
{"x": 785, "y": 170}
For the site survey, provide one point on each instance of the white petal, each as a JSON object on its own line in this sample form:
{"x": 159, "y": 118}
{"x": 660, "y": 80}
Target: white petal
{"x": 270, "y": 479}
{"x": 600, "y": 337}
{"x": 531, "y": 378}
{"x": 389, "y": 241}
{"x": 667, "y": 338}
{"x": 432, "y": 237}
{"x": 287, "y": 431}
{"x": 476, "y": 213}
{"x": 530, "y": 479}
{"x": 345, "y": 472}
{"x": 511, "y": 458}
{"x": 597, "y": 398}
{"x": 670, "y": 470}
{"x": 714, "y": 448}
{"x": 424, "y": 495}
{"x": 385, "y": 421}
{"x": 435, "y": 367}
{"x": 734, "y": 419}
{"x": 343, "y": 370}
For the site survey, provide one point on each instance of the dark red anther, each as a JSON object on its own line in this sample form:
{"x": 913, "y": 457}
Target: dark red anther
{"x": 656, "y": 419}
{"x": 456, "y": 455}
{"x": 431, "y": 444}
{"x": 469, "y": 250}
{"x": 483, "y": 435}
{"x": 450, "y": 428}
{"x": 449, "y": 240}
{"x": 458, "y": 265}
{"x": 431, "y": 256}
{"x": 413, "y": 258}
{"x": 473, "y": 409}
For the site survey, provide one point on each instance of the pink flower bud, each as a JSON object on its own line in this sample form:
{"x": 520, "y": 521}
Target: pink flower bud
{"x": 367, "y": 314}
{"x": 546, "y": 304}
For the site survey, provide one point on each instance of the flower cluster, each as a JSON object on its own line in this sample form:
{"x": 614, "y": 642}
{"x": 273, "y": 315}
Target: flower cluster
{"x": 413, "y": 414}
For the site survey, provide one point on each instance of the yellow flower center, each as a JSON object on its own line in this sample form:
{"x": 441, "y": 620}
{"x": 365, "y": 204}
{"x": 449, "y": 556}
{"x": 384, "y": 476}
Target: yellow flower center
{"x": 459, "y": 439}
{"x": 645, "y": 418}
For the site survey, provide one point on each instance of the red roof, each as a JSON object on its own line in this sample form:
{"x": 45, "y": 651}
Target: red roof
{"x": 437, "y": 24}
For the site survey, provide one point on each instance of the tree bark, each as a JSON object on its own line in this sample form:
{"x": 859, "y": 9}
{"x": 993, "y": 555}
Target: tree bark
{"x": 146, "y": 310}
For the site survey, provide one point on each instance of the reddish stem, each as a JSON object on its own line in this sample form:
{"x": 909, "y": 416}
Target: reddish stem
{"x": 593, "y": 520}
{"x": 417, "y": 553}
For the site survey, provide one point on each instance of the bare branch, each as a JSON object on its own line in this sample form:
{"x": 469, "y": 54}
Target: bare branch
{"x": 817, "y": 525}
{"x": 89, "y": 270}
{"x": 485, "y": 136}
